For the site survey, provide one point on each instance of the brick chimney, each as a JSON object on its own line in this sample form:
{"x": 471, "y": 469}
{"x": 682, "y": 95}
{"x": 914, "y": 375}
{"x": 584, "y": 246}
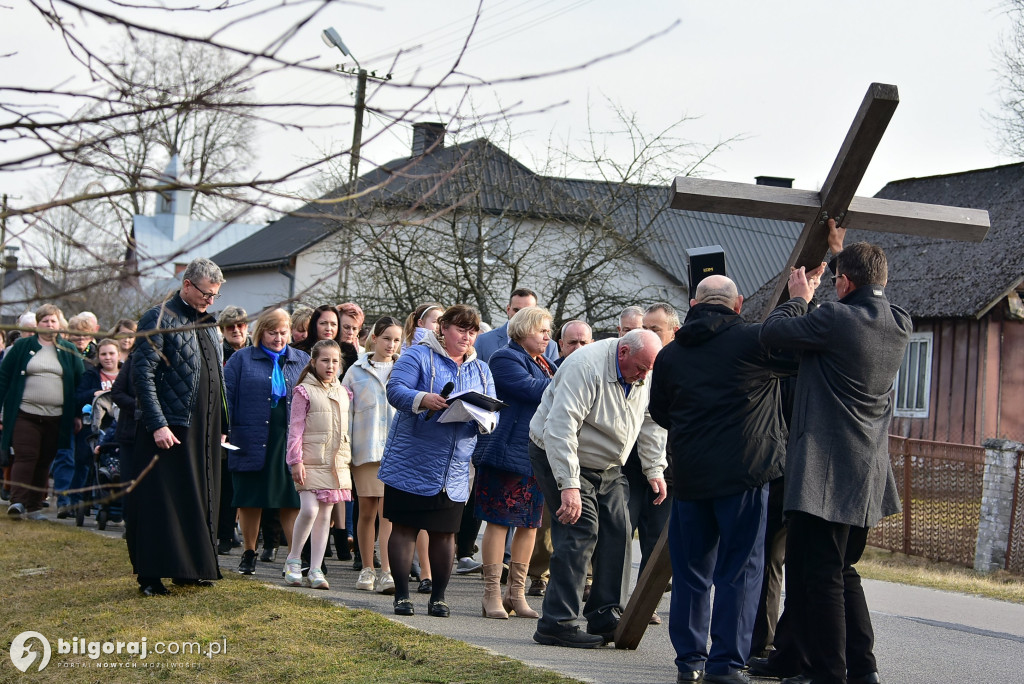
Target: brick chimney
{"x": 427, "y": 137}
{"x": 774, "y": 181}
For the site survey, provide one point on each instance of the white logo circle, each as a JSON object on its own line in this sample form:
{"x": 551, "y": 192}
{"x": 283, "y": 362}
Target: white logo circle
{"x": 22, "y": 656}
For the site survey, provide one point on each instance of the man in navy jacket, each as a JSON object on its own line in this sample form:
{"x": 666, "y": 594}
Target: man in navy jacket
{"x": 492, "y": 341}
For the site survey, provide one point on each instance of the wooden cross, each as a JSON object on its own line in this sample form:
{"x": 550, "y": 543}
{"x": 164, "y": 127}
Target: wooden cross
{"x": 835, "y": 200}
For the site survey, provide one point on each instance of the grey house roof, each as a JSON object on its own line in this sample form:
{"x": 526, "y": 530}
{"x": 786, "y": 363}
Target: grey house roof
{"x": 480, "y": 174}
{"x": 934, "y": 278}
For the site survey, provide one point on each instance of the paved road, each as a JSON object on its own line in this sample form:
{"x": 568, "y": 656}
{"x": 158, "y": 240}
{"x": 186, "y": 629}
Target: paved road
{"x": 923, "y": 636}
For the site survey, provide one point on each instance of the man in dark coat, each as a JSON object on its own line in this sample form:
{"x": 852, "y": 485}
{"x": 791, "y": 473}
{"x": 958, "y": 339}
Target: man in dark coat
{"x": 179, "y": 380}
{"x": 839, "y": 481}
{"x": 716, "y": 389}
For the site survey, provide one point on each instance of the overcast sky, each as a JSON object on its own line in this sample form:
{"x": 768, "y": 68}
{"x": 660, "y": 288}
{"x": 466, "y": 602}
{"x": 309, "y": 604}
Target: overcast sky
{"x": 786, "y": 77}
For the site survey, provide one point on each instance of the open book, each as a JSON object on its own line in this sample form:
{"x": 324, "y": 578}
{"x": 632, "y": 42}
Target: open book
{"x": 472, "y": 406}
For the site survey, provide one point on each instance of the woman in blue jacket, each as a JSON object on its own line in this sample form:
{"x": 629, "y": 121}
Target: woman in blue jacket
{"x": 259, "y": 382}
{"x": 506, "y": 492}
{"x": 425, "y": 468}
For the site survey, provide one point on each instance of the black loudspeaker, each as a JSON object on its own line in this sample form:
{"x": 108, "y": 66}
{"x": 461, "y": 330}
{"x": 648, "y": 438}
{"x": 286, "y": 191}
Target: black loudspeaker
{"x": 702, "y": 262}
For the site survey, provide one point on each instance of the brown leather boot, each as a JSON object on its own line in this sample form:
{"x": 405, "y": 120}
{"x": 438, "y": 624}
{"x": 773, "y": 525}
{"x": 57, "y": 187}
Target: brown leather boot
{"x": 492, "y": 592}
{"x": 515, "y": 594}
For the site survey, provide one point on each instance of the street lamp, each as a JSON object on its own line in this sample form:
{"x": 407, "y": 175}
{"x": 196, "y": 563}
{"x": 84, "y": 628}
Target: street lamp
{"x": 333, "y": 39}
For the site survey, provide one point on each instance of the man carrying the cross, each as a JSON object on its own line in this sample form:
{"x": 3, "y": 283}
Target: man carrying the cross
{"x": 839, "y": 481}
{"x": 717, "y": 390}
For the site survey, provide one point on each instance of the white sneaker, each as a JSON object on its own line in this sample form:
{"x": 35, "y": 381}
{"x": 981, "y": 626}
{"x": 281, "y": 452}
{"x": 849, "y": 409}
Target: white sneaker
{"x": 293, "y": 572}
{"x": 385, "y": 583}
{"x": 16, "y": 510}
{"x": 35, "y": 515}
{"x": 366, "y": 580}
{"x": 317, "y": 579}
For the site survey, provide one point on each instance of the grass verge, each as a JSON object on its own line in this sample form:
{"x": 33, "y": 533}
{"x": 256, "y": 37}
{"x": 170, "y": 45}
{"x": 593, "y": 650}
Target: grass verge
{"x": 65, "y": 584}
{"x": 897, "y": 567}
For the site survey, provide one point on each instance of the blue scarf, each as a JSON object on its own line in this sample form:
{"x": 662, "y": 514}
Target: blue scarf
{"x": 278, "y": 388}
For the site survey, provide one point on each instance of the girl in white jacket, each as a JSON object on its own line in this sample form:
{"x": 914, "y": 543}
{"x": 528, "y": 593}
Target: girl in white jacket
{"x": 367, "y": 379}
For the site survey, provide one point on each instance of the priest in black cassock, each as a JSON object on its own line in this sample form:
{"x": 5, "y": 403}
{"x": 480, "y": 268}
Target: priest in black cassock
{"x": 171, "y": 516}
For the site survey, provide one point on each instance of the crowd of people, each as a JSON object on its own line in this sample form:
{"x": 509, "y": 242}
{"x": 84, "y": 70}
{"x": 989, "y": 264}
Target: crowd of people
{"x": 317, "y": 416}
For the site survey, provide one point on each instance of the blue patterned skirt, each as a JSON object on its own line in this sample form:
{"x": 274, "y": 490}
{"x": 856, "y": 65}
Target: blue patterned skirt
{"x": 507, "y": 498}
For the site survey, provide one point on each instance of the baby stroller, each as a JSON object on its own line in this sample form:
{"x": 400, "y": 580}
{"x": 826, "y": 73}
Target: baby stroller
{"x": 105, "y": 470}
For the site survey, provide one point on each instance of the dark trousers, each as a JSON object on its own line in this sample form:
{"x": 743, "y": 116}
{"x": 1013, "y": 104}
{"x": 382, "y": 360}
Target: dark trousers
{"x": 828, "y": 613}
{"x": 645, "y": 518}
{"x": 226, "y": 513}
{"x": 33, "y": 445}
{"x": 716, "y": 542}
{"x": 465, "y": 540}
{"x": 602, "y": 532}
{"x": 763, "y": 638}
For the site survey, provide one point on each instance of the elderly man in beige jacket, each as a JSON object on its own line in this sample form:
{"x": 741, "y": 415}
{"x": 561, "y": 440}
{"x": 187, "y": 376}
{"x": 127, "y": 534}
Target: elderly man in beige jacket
{"x": 588, "y": 419}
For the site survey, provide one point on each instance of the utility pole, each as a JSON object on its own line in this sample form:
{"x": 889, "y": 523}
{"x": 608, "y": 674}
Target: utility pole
{"x": 333, "y": 39}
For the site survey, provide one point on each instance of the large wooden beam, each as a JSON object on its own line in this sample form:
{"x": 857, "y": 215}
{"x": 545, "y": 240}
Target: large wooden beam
{"x": 650, "y": 587}
{"x": 876, "y": 110}
{"x": 864, "y": 213}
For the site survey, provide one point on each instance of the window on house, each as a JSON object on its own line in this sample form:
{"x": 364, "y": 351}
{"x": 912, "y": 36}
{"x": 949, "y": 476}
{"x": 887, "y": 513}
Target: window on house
{"x": 914, "y": 380}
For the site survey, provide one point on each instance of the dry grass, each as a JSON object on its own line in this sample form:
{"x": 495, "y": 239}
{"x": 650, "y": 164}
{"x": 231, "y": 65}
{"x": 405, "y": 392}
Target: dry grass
{"x": 896, "y": 567}
{"x": 65, "y": 584}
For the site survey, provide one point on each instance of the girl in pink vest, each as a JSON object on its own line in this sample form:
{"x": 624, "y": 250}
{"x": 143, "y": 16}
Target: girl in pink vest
{"x": 319, "y": 453}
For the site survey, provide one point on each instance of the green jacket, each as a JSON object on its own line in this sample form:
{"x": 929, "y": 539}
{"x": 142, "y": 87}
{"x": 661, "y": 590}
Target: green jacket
{"x": 12, "y": 385}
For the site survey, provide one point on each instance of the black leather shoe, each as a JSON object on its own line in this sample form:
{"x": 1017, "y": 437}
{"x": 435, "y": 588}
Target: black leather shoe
{"x": 606, "y": 631}
{"x": 797, "y": 679}
{"x": 156, "y": 588}
{"x": 269, "y": 554}
{"x": 537, "y": 588}
{"x": 737, "y": 677}
{"x": 573, "y": 637}
{"x": 438, "y": 609}
{"x": 690, "y": 676}
{"x": 223, "y": 547}
{"x": 426, "y": 586}
{"x": 869, "y": 678}
{"x": 248, "y": 564}
{"x": 178, "y": 582}
{"x": 404, "y": 606}
{"x": 763, "y": 667}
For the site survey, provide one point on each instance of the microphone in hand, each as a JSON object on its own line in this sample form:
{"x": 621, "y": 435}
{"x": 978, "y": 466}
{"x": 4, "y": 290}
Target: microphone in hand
{"x": 445, "y": 391}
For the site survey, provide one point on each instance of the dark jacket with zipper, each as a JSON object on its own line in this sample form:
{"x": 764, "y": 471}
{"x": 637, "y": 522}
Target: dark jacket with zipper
{"x": 166, "y": 364}
{"x": 716, "y": 389}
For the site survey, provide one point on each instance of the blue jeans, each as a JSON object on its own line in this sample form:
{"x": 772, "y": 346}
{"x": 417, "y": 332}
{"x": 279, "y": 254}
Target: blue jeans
{"x": 63, "y": 472}
{"x": 716, "y": 542}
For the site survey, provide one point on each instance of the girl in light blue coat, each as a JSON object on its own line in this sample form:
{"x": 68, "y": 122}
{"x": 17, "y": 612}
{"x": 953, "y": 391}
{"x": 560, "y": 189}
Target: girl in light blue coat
{"x": 426, "y": 463}
{"x": 372, "y": 416}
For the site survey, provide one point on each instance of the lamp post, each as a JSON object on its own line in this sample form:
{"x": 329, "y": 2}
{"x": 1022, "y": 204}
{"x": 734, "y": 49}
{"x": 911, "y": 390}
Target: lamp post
{"x": 333, "y": 39}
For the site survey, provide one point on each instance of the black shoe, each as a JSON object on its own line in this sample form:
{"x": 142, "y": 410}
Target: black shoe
{"x": 248, "y": 564}
{"x": 537, "y": 588}
{"x": 606, "y": 631}
{"x": 414, "y": 573}
{"x": 764, "y": 667}
{"x": 404, "y": 607}
{"x": 798, "y": 679}
{"x": 154, "y": 588}
{"x": 63, "y": 513}
{"x": 572, "y": 637}
{"x": 357, "y": 563}
{"x": 223, "y": 547}
{"x": 869, "y": 678}
{"x": 269, "y": 554}
{"x": 737, "y": 677}
{"x": 690, "y": 676}
{"x": 426, "y": 586}
{"x": 178, "y": 582}
{"x": 376, "y": 561}
{"x": 438, "y": 609}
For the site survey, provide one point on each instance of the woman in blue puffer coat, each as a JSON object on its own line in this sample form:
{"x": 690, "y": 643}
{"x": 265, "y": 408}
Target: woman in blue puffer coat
{"x": 425, "y": 468}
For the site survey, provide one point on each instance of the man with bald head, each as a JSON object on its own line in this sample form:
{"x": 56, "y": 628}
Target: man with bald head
{"x": 716, "y": 389}
{"x": 575, "y": 334}
{"x": 589, "y": 417}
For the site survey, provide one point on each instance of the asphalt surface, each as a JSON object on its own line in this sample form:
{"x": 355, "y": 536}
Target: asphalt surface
{"x": 922, "y": 636}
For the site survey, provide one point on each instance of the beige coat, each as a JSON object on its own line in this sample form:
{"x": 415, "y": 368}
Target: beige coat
{"x": 586, "y": 420}
{"x": 326, "y": 445}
